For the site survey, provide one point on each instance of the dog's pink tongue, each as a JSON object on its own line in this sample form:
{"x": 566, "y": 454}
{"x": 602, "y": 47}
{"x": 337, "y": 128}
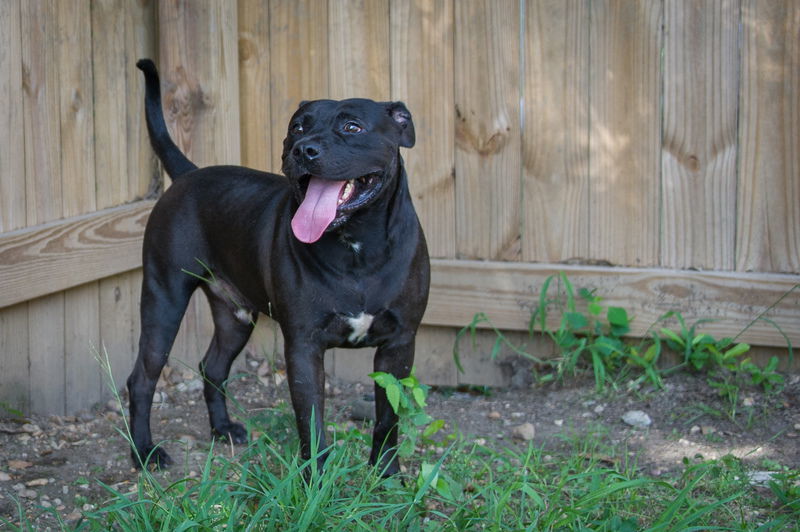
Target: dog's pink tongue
{"x": 317, "y": 210}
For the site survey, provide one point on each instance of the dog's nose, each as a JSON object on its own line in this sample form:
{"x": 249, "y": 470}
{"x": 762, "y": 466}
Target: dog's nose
{"x": 308, "y": 151}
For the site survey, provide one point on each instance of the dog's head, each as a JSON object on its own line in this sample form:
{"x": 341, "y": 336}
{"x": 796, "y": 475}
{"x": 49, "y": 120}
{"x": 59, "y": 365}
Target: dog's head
{"x": 339, "y": 157}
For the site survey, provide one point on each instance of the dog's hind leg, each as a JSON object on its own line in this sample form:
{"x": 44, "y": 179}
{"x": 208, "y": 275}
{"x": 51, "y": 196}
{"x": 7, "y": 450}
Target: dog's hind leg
{"x": 397, "y": 360}
{"x": 164, "y": 302}
{"x": 232, "y": 329}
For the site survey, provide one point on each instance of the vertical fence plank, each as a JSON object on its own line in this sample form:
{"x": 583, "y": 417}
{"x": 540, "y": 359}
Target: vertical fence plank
{"x": 699, "y": 140}
{"x": 299, "y": 67}
{"x": 81, "y": 304}
{"x": 358, "y": 41}
{"x": 487, "y": 91}
{"x": 625, "y": 136}
{"x": 556, "y": 133}
{"x": 14, "y": 376}
{"x": 422, "y": 76}
{"x": 768, "y": 216}
{"x": 199, "y": 66}
{"x": 43, "y": 193}
{"x": 254, "y": 82}
{"x": 123, "y": 158}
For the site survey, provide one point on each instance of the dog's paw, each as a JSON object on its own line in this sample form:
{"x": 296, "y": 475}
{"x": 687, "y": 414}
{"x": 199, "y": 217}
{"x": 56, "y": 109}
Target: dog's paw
{"x": 154, "y": 458}
{"x": 234, "y": 432}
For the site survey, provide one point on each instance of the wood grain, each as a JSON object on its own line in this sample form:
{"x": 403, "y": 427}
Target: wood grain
{"x": 14, "y": 376}
{"x": 358, "y": 49}
{"x": 254, "y": 79}
{"x": 768, "y": 208}
{"x": 625, "y": 135}
{"x": 44, "y": 192}
{"x": 12, "y": 165}
{"x": 422, "y": 77}
{"x": 555, "y": 138}
{"x": 82, "y": 375}
{"x": 488, "y": 170}
{"x": 509, "y": 292}
{"x": 53, "y": 257}
{"x": 299, "y": 63}
{"x": 700, "y": 134}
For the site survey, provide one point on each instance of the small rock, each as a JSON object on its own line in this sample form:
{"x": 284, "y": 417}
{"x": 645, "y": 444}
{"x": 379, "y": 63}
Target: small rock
{"x": 494, "y": 414}
{"x": 194, "y": 385}
{"x": 695, "y": 429}
{"x": 4, "y": 477}
{"x": 599, "y": 409}
{"x": 524, "y": 432}
{"x": 19, "y": 464}
{"x": 28, "y": 494}
{"x": 707, "y": 429}
{"x": 637, "y": 419}
{"x": 480, "y": 441}
{"x": 748, "y": 401}
{"x": 559, "y": 422}
{"x": 797, "y": 426}
{"x": 760, "y": 478}
{"x": 30, "y": 428}
{"x": 37, "y": 482}
{"x": 362, "y": 410}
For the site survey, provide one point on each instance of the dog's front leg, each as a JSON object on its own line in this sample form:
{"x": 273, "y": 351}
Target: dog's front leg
{"x": 306, "y": 373}
{"x": 397, "y": 360}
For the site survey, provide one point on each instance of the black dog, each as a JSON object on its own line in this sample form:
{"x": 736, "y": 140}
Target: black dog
{"x": 333, "y": 251}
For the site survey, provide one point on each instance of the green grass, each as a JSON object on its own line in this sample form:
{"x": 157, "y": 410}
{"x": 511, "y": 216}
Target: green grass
{"x": 464, "y": 486}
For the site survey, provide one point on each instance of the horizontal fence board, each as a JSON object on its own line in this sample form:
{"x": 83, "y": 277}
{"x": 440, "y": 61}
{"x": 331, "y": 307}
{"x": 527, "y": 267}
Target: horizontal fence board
{"x": 508, "y": 292}
{"x": 57, "y": 256}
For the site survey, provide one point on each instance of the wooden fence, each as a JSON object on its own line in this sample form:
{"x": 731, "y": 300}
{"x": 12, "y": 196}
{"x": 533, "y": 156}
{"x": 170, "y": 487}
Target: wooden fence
{"x": 649, "y": 148}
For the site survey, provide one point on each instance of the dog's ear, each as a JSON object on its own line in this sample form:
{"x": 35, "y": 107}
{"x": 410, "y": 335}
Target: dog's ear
{"x": 402, "y": 117}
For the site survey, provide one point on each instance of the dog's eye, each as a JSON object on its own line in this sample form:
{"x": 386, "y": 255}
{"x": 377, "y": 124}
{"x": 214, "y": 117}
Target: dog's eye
{"x": 296, "y": 128}
{"x": 352, "y": 127}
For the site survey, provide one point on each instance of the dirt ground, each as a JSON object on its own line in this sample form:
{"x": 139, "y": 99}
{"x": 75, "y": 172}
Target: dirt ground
{"x": 58, "y": 462}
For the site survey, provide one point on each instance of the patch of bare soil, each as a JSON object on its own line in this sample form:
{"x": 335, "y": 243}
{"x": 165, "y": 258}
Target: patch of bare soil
{"x": 59, "y": 462}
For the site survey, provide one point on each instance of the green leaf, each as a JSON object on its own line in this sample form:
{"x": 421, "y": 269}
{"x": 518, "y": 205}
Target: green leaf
{"x": 595, "y": 308}
{"x": 576, "y": 320}
{"x": 618, "y": 317}
{"x": 383, "y": 379}
{"x": 419, "y": 396}
{"x": 393, "y": 395}
{"x": 673, "y": 336}
{"x": 737, "y": 350}
{"x": 433, "y": 428}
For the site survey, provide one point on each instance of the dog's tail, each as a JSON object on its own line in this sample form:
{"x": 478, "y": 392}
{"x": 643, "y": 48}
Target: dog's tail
{"x": 174, "y": 161}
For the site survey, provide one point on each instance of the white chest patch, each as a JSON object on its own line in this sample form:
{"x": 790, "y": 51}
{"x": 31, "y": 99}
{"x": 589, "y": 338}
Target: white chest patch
{"x": 360, "y": 325}
{"x": 243, "y": 315}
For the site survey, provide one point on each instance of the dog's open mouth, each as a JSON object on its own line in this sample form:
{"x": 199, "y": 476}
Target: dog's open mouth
{"x": 327, "y": 203}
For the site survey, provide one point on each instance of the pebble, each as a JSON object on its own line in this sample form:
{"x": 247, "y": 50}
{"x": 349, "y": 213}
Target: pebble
{"x": 599, "y": 409}
{"x": 637, "y": 419}
{"x": 760, "y": 478}
{"x": 194, "y": 385}
{"x": 28, "y": 494}
{"x": 4, "y": 477}
{"x": 748, "y": 401}
{"x": 525, "y": 432}
{"x": 362, "y": 410}
{"x": 559, "y": 422}
{"x": 494, "y": 414}
{"x": 37, "y": 482}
